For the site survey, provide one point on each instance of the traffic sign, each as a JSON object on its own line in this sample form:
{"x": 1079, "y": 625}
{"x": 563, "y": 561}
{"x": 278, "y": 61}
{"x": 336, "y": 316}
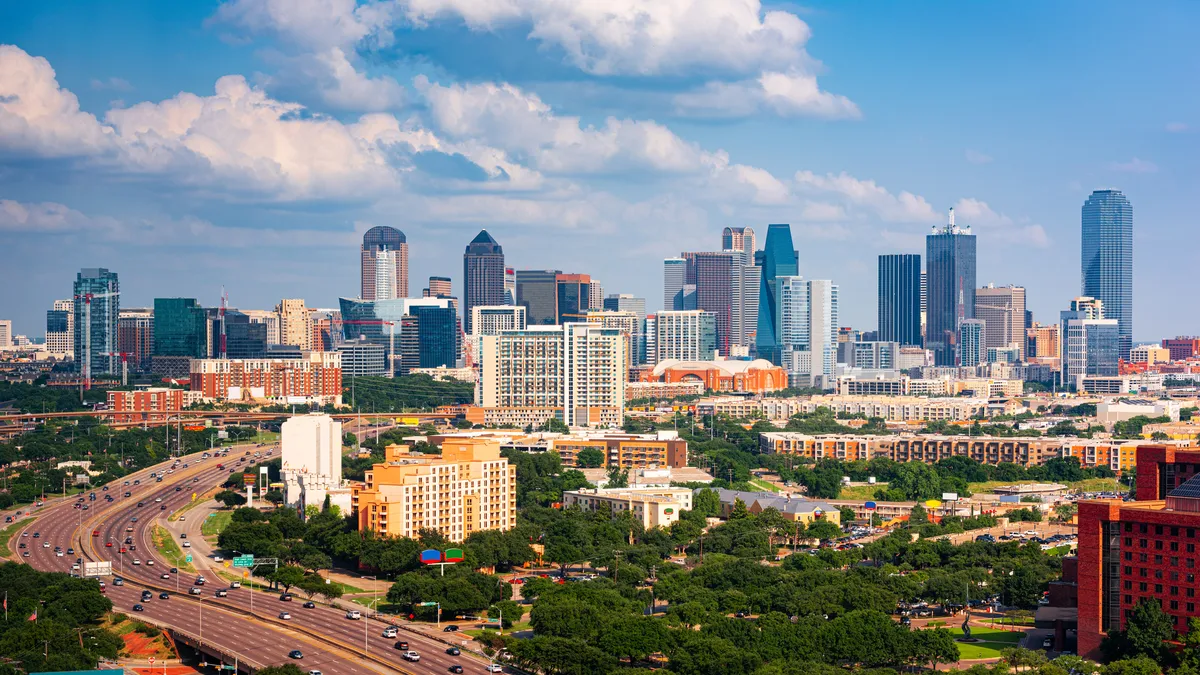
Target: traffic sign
{"x": 228, "y": 666}
{"x": 246, "y": 574}
{"x": 188, "y": 558}
{"x": 227, "y": 564}
{"x": 151, "y": 660}
{"x": 243, "y": 561}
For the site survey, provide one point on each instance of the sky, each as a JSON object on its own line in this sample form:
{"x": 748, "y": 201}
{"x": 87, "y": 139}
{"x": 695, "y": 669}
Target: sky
{"x": 248, "y": 144}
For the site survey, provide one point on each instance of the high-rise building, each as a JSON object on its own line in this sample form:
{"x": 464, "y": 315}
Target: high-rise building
{"x": 484, "y": 278}
{"x": 715, "y": 275}
{"x": 686, "y": 335}
{"x": 630, "y": 325}
{"x": 950, "y": 280}
{"x": 384, "y": 264}
{"x": 6, "y": 334}
{"x": 383, "y": 322}
{"x": 244, "y": 339}
{"x": 1002, "y": 309}
{"x": 595, "y": 294}
{"x": 972, "y": 348}
{"x": 270, "y": 319}
{"x": 510, "y": 286}
{"x": 324, "y": 322}
{"x": 573, "y": 296}
{"x": 777, "y": 259}
{"x": 135, "y": 336}
{"x": 924, "y": 305}
{"x": 315, "y": 376}
{"x": 674, "y": 274}
{"x": 739, "y": 239}
{"x": 1091, "y": 344}
{"x": 823, "y": 328}
{"x": 295, "y": 324}
{"x": 1043, "y": 342}
{"x": 439, "y": 287}
{"x": 312, "y": 461}
{"x": 795, "y": 341}
{"x": 747, "y": 279}
{"x": 492, "y": 320}
{"x": 537, "y": 292}
{"x": 60, "y": 328}
{"x": 576, "y": 369}
{"x": 97, "y": 310}
{"x": 624, "y": 302}
{"x": 433, "y": 337}
{"x": 871, "y": 355}
{"x": 900, "y": 298}
{"x": 1106, "y": 263}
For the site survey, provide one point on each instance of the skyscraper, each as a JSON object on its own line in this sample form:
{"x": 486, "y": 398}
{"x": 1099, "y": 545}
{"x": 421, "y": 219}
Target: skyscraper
{"x": 739, "y": 239}
{"x": 1002, "y": 309}
{"x": 295, "y": 324}
{"x": 537, "y": 292}
{"x": 674, "y": 273}
{"x": 439, "y": 287}
{"x": 715, "y": 275}
{"x": 483, "y": 275}
{"x": 97, "y": 310}
{"x": 1106, "y": 263}
{"x": 971, "y": 348}
{"x": 950, "y": 279}
{"x": 1090, "y": 342}
{"x": 574, "y": 297}
{"x": 743, "y": 320}
{"x": 625, "y": 302}
{"x": 777, "y": 259}
{"x": 900, "y": 299}
{"x": 60, "y": 328}
{"x": 379, "y": 240}
{"x": 685, "y": 335}
{"x": 135, "y": 336}
{"x": 823, "y": 329}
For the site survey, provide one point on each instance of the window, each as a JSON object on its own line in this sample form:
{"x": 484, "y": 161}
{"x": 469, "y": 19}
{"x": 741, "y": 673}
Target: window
{"x": 1174, "y": 591}
{"x": 1141, "y": 528}
{"x": 1174, "y": 561}
{"x": 1174, "y": 546}
{"x": 1142, "y": 543}
{"x": 1142, "y": 586}
{"x": 1129, "y": 556}
{"x": 1129, "y": 585}
{"x": 1174, "y": 531}
{"x": 1158, "y": 544}
{"x": 1158, "y": 588}
{"x": 1175, "y": 604}
{"x": 1158, "y": 529}
{"x": 1158, "y": 560}
{"x": 1142, "y": 557}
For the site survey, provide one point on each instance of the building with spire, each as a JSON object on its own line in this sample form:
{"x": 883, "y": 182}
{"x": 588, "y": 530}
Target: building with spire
{"x": 777, "y": 259}
{"x": 483, "y": 275}
{"x": 950, "y": 287}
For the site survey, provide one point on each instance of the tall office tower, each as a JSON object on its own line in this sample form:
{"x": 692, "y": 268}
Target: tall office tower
{"x": 1043, "y": 341}
{"x": 743, "y": 319}
{"x": 390, "y": 275}
{"x": 715, "y": 275}
{"x": 900, "y": 299}
{"x": 325, "y": 333}
{"x": 179, "y": 328}
{"x": 1107, "y": 258}
{"x": 595, "y": 295}
{"x": 624, "y": 302}
{"x": 510, "y": 286}
{"x": 537, "y": 292}
{"x": 823, "y": 329}
{"x": 428, "y": 338}
{"x": 950, "y": 270}
{"x": 674, "y": 273}
{"x": 244, "y": 338}
{"x": 777, "y": 259}
{"x": 97, "y": 309}
{"x": 439, "y": 287}
{"x": 972, "y": 349}
{"x": 651, "y": 332}
{"x": 6, "y": 334}
{"x": 135, "y": 336}
{"x": 1003, "y": 312}
{"x": 295, "y": 324}
{"x": 687, "y": 335}
{"x": 573, "y": 295}
{"x": 483, "y": 275}
{"x": 924, "y": 305}
{"x": 792, "y": 315}
{"x": 1091, "y": 344}
{"x": 387, "y": 323}
{"x": 739, "y": 239}
{"x": 60, "y": 328}
{"x": 575, "y": 368}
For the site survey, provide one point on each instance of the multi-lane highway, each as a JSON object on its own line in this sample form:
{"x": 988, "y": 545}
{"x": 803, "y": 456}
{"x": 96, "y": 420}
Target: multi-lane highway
{"x": 330, "y": 642}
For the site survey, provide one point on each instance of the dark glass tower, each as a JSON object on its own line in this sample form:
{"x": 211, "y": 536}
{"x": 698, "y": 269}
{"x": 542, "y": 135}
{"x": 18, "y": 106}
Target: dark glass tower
{"x": 1106, "y": 264}
{"x": 777, "y": 259}
{"x": 950, "y": 282}
{"x": 179, "y": 327}
{"x": 537, "y": 292}
{"x": 900, "y": 298}
{"x": 483, "y": 275}
{"x": 96, "y": 326}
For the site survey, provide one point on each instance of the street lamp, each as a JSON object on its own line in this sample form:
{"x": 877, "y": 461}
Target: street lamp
{"x": 367, "y": 618}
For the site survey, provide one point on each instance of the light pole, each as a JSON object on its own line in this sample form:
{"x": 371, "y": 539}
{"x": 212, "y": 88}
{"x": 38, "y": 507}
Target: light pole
{"x": 367, "y": 618}
{"x": 200, "y": 599}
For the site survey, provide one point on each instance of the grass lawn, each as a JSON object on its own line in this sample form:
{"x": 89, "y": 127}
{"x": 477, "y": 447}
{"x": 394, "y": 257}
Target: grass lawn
{"x": 169, "y": 549}
{"x": 861, "y": 492}
{"x": 216, "y": 522}
{"x": 763, "y": 485}
{"x": 993, "y": 640}
{"x": 201, "y": 497}
{"x": 7, "y": 533}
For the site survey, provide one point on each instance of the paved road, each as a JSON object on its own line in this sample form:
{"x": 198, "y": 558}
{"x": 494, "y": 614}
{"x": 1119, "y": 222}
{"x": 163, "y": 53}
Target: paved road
{"x": 261, "y": 640}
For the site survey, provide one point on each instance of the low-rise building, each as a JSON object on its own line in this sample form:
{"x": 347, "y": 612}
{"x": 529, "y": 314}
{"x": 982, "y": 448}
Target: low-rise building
{"x": 758, "y": 376}
{"x": 652, "y": 506}
{"x": 447, "y": 373}
{"x": 845, "y": 448}
{"x": 315, "y": 377}
{"x": 145, "y": 405}
{"x": 889, "y": 408}
{"x": 1109, "y": 413}
{"x": 521, "y": 418}
{"x": 630, "y": 451}
{"x": 662, "y": 391}
{"x": 791, "y": 508}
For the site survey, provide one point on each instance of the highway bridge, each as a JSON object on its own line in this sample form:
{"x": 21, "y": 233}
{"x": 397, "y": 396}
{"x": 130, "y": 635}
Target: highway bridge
{"x": 243, "y": 626}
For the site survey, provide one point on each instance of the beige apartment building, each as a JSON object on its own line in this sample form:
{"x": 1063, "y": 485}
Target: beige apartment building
{"x": 654, "y": 507}
{"x": 468, "y": 488}
{"x": 295, "y": 324}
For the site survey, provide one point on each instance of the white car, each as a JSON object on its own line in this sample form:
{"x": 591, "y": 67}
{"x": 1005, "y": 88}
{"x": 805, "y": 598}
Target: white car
{"x": 45, "y": 544}
{"x": 389, "y": 632}
{"x": 187, "y": 544}
{"x": 235, "y": 584}
{"x": 217, "y": 558}
{"x": 495, "y": 668}
{"x": 150, "y": 562}
{"x": 158, "y": 500}
{"x": 58, "y": 553}
{"x": 285, "y": 616}
{"x": 411, "y": 656}
{"x": 137, "y": 562}
{"x": 354, "y": 614}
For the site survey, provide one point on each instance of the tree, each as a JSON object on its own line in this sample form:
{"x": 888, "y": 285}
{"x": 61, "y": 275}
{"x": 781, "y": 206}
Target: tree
{"x": 847, "y": 514}
{"x": 917, "y": 480}
{"x": 285, "y": 669}
{"x": 589, "y": 458}
{"x": 823, "y": 530}
{"x": 286, "y": 576}
{"x": 618, "y": 477}
{"x": 918, "y": 515}
{"x": 1145, "y": 634}
{"x": 1137, "y": 666}
{"x": 508, "y": 611}
{"x": 707, "y": 502}
{"x": 230, "y": 498}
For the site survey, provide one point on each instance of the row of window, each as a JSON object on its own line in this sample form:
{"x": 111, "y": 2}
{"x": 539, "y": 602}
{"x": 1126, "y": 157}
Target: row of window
{"x": 1158, "y": 588}
{"x": 1175, "y": 530}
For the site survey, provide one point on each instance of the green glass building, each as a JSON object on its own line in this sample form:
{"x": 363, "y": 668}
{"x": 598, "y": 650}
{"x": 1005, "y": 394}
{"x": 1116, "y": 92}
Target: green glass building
{"x": 179, "y": 328}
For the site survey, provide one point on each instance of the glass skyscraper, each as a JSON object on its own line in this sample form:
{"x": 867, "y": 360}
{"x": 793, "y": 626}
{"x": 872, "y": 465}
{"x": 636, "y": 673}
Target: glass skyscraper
{"x": 97, "y": 311}
{"x": 900, "y": 299}
{"x": 483, "y": 275}
{"x": 537, "y": 292}
{"x": 1106, "y": 263}
{"x": 179, "y": 326}
{"x": 777, "y": 259}
{"x": 950, "y": 288}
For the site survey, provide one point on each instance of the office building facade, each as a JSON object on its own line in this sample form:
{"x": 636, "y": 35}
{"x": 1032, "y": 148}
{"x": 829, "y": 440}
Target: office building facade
{"x": 625, "y": 302}
{"x": 439, "y": 287}
{"x": 950, "y": 287}
{"x": 674, "y": 276}
{"x": 777, "y": 260}
{"x": 1002, "y": 310}
{"x": 573, "y": 295}
{"x": 739, "y": 239}
{"x": 1106, "y": 260}
{"x": 1090, "y": 343}
{"x": 295, "y": 324}
{"x": 97, "y": 311}
{"x": 484, "y": 277}
{"x": 60, "y": 328}
{"x": 384, "y": 260}
{"x": 537, "y": 292}
{"x": 714, "y": 275}
{"x": 900, "y": 299}
{"x": 135, "y": 336}
{"x": 972, "y": 349}
{"x": 685, "y": 335}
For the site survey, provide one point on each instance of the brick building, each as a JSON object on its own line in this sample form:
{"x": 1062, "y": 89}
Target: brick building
{"x": 758, "y": 376}
{"x": 1182, "y": 348}
{"x": 315, "y": 377}
{"x": 1130, "y": 551}
{"x": 145, "y": 405}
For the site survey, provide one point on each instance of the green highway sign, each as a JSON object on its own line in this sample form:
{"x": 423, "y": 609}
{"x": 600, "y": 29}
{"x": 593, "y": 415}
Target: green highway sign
{"x": 228, "y": 666}
{"x": 426, "y": 604}
{"x": 188, "y": 558}
{"x": 243, "y": 561}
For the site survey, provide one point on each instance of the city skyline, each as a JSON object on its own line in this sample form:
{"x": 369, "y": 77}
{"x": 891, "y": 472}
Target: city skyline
{"x": 858, "y": 165}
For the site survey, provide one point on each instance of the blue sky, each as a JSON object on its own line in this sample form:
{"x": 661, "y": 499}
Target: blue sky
{"x": 249, "y": 143}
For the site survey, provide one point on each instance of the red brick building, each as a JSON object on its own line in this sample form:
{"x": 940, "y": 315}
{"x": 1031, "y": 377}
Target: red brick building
{"x": 1182, "y": 348}
{"x": 757, "y": 377}
{"x": 1130, "y": 551}
{"x": 145, "y": 404}
{"x": 316, "y": 377}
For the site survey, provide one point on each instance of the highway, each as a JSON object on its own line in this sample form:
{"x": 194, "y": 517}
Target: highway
{"x": 331, "y": 643}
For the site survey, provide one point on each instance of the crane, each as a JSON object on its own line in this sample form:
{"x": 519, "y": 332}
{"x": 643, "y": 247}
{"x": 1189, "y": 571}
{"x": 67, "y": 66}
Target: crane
{"x": 337, "y": 324}
{"x": 124, "y": 365}
{"x": 87, "y": 332}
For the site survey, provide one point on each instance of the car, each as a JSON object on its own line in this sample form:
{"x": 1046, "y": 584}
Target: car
{"x": 163, "y": 507}
{"x": 74, "y": 566}
{"x": 129, "y": 528}
{"x": 1047, "y": 642}
{"x": 354, "y": 615}
{"x": 158, "y": 500}
{"x": 163, "y": 596}
{"x": 182, "y": 519}
{"x": 150, "y": 563}
{"x": 174, "y": 570}
{"x": 25, "y": 553}
{"x": 453, "y": 651}
{"x": 295, "y": 654}
{"x": 141, "y": 503}
{"x": 122, "y": 550}
{"x": 194, "y": 590}
{"x": 139, "y": 608}
{"x": 401, "y": 645}
{"x": 183, "y": 535}
{"x": 456, "y": 668}
{"x": 95, "y": 533}
{"x": 450, "y": 629}
{"x": 411, "y": 656}
{"x": 235, "y": 584}
{"x": 494, "y": 668}
{"x": 108, "y": 544}
{"x": 128, "y": 540}
{"x": 314, "y": 672}
{"x": 285, "y": 597}
{"x": 178, "y": 489}
{"x": 221, "y": 593}
{"x": 45, "y": 544}
{"x": 137, "y": 561}
{"x": 165, "y": 576}
{"x": 118, "y": 581}
{"x": 200, "y": 580}
{"x": 389, "y": 632}
{"x": 311, "y": 605}
{"x": 187, "y": 544}
{"x": 70, "y": 551}
{"x": 146, "y": 595}
{"x": 285, "y": 616}
{"x": 217, "y": 558}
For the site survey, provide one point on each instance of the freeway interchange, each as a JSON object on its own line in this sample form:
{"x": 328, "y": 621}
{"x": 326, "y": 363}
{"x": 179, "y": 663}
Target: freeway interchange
{"x": 226, "y": 629}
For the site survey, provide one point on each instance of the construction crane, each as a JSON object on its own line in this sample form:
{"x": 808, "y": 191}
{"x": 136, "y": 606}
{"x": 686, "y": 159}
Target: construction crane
{"x": 337, "y": 326}
{"x": 124, "y": 365}
{"x": 87, "y": 333}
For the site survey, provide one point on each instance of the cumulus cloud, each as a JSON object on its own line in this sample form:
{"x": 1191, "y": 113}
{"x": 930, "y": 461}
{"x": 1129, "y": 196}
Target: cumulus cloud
{"x": 1134, "y": 165}
{"x": 868, "y": 196}
{"x": 998, "y": 226}
{"x": 331, "y": 76}
{"x": 786, "y": 94}
{"x": 39, "y": 118}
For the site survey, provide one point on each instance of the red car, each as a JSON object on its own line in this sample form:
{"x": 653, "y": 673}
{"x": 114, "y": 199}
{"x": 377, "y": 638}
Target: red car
{"x": 122, "y": 550}
{"x": 95, "y": 533}
{"x": 108, "y": 544}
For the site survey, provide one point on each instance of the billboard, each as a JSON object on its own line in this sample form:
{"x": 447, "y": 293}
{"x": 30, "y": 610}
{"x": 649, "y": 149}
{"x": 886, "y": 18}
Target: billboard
{"x": 97, "y": 569}
{"x": 949, "y": 496}
{"x": 248, "y": 478}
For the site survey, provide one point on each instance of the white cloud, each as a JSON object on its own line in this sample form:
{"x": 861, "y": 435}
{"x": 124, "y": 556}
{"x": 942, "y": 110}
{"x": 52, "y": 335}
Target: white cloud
{"x": 866, "y": 195}
{"x": 786, "y": 94}
{"x": 976, "y": 157}
{"x": 1176, "y": 127}
{"x": 1134, "y": 165}
{"x": 39, "y": 118}
{"x": 313, "y": 24}
{"x": 44, "y": 217}
{"x": 332, "y": 77}
{"x": 996, "y": 226}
